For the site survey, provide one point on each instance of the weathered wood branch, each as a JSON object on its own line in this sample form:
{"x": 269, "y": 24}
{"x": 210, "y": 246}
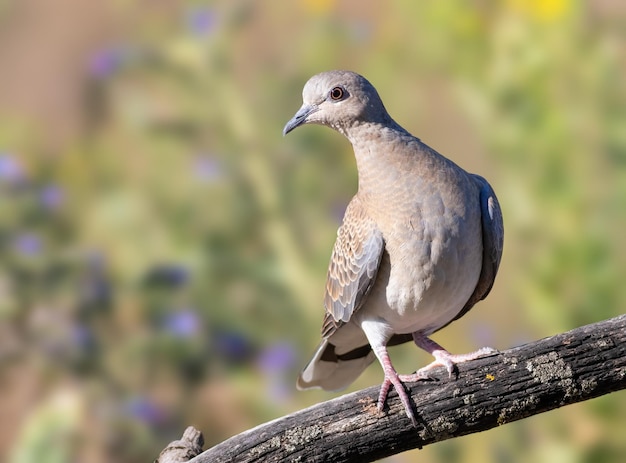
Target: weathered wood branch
{"x": 571, "y": 367}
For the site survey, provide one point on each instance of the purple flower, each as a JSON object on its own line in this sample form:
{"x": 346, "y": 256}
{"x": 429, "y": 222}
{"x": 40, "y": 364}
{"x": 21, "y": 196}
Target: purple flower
{"x": 27, "y": 244}
{"x": 11, "y": 169}
{"x": 103, "y": 63}
{"x": 200, "y": 20}
{"x": 183, "y": 323}
{"x": 83, "y": 338}
{"x": 169, "y": 275}
{"x": 145, "y": 410}
{"x": 207, "y": 168}
{"x": 231, "y": 346}
{"x": 52, "y": 197}
{"x": 275, "y": 363}
{"x": 277, "y": 358}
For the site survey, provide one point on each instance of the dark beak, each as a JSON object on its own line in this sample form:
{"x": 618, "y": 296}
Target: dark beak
{"x": 299, "y": 118}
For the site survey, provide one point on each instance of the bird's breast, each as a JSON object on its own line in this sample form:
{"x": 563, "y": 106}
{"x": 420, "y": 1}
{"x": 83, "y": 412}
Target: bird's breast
{"x": 432, "y": 262}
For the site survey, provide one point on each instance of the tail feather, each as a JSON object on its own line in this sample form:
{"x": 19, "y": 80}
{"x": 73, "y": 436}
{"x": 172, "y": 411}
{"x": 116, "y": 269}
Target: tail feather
{"x": 331, "y": 371}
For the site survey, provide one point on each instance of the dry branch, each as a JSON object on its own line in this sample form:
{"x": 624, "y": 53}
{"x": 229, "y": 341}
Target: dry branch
{"x": 571, "y": 367}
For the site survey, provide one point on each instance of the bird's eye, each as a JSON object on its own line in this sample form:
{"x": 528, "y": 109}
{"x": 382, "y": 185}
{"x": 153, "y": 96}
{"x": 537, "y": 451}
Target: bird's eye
{"x": 337, "y": 93}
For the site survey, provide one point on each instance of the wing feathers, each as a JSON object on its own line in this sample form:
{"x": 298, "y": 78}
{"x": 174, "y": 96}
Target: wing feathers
{"x": 353, "y": 265}
{"x": 493, "y": 241}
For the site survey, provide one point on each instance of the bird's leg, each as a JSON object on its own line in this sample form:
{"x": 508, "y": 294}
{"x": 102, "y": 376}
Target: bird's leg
{"x": 392, "y": 378}
{"x": 442, "y": 357}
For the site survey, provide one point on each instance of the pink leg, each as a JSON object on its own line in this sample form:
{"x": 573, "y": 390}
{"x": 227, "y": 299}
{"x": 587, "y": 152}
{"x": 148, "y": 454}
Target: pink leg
{"x": 392, "y": 377}
{"x": 442, "y": 357}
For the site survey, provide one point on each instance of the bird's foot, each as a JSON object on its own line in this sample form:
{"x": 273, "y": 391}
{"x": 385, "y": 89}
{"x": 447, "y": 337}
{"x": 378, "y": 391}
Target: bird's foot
{"x": 449, "y": 361}
{"x": 442, "y": 358}
{"x": 392, "y": 378}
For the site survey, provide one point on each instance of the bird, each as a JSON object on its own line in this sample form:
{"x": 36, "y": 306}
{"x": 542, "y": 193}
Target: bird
{"x": 419, "y": 245}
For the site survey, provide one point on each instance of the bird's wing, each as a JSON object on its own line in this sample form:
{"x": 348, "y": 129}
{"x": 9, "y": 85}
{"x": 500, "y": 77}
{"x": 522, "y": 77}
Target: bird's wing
{"x": 493, "y": 241}
{"x": 353, "y": 266}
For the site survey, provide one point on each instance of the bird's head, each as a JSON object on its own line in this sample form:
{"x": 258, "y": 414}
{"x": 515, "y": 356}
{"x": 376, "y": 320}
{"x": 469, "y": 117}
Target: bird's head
{"x": 340, "y": 100}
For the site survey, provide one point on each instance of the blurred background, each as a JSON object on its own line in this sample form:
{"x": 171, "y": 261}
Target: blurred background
{"x": 163, "y": 249}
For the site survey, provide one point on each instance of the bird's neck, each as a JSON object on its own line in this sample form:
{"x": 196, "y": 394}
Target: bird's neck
{"x": 381, "y": 155}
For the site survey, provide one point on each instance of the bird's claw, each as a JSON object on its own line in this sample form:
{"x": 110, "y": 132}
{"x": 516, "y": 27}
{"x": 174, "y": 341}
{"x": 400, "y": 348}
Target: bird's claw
{"x": 394, "y": 379}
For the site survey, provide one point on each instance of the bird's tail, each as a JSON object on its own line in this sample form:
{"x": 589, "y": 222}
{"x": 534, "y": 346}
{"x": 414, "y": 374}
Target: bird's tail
{"x": 331, "y": 371}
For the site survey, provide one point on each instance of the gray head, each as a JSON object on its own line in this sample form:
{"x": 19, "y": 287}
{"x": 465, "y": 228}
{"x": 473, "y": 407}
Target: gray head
{"x": 338, "y": 99}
